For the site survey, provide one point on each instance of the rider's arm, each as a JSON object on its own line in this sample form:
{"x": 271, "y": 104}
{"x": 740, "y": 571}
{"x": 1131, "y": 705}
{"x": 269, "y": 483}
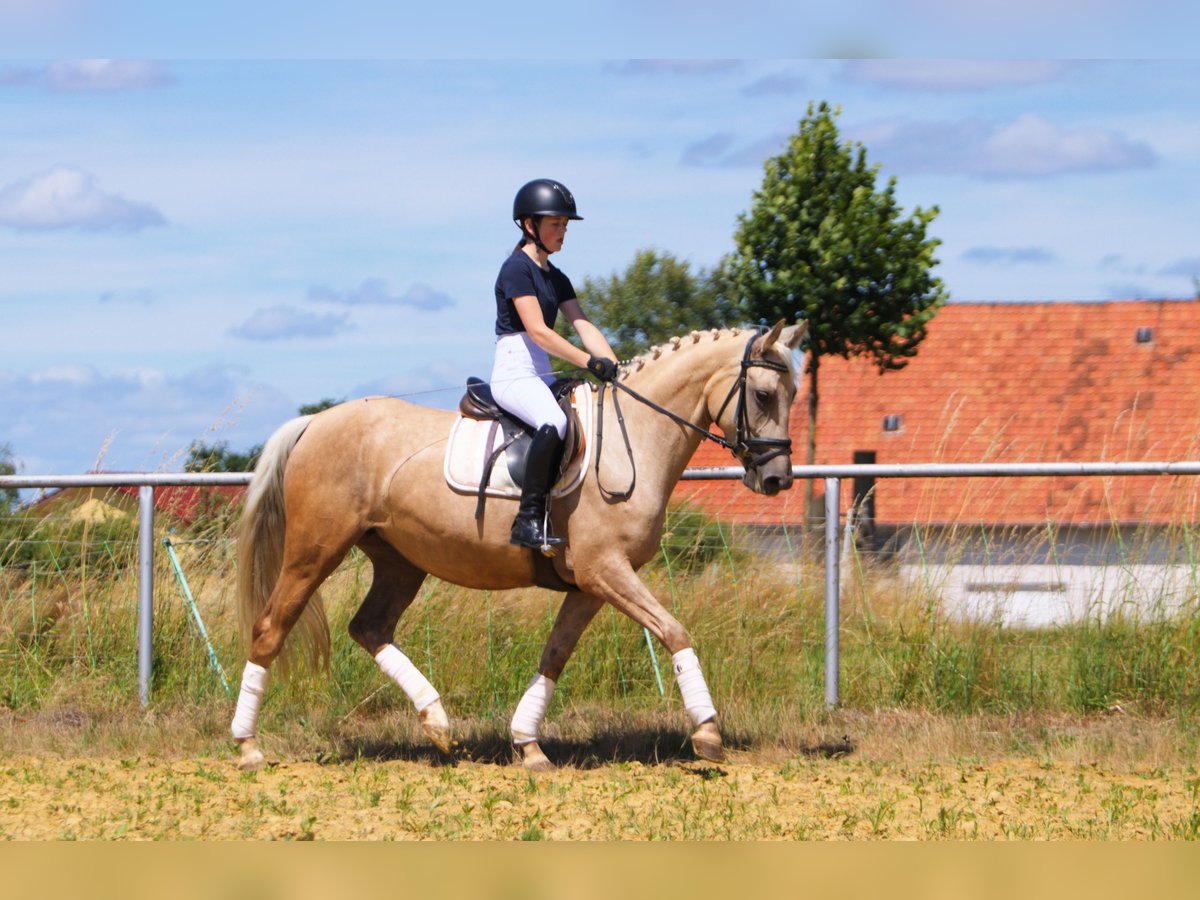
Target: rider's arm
{"x": 592, "y": 337}
{"x": 546, "y": 337}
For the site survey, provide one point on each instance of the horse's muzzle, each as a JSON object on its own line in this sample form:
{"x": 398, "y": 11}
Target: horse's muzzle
{"x": 769, "y": 484}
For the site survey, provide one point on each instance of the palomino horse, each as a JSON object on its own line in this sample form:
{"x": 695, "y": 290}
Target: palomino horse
{"x": 368, "y": 473}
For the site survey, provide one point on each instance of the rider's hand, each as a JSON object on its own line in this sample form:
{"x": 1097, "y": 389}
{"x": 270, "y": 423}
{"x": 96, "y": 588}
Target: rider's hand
{"x": 602, "y": 367}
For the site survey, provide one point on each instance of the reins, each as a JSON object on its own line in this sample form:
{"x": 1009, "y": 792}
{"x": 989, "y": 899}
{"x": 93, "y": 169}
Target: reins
{"x": 743, "y": 445}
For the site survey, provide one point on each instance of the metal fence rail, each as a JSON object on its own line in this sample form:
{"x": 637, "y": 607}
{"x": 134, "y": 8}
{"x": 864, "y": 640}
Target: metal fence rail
{"x": 832, "y": 475}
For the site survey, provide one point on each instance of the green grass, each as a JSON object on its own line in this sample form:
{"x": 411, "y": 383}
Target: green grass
{"x": 68, "y": 641}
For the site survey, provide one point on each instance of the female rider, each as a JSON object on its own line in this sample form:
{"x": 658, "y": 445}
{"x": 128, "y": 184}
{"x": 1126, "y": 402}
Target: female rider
{"x": 530, "y": 292}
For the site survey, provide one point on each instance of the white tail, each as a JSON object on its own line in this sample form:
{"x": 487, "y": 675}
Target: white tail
{"x": 260, "y": 552}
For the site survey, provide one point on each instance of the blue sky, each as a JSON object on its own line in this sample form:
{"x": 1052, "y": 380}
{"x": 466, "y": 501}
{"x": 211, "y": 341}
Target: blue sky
{"x": 193, "y": 248}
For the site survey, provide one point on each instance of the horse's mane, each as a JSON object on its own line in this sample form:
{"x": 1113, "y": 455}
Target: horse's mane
{"x": 637, "y": 363}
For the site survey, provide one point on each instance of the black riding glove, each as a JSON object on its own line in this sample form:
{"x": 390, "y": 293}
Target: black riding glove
{"x": 602, "y": 367}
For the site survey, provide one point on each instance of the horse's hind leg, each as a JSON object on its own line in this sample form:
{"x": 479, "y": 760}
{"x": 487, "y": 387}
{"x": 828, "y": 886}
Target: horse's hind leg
{"x": 577, "y": 611}
{"x": 306, "y": 564}
{"x": 394, "y": 585}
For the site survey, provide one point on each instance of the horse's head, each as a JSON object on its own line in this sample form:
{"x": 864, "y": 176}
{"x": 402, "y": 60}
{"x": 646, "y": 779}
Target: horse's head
{"x": 755, "y": 406}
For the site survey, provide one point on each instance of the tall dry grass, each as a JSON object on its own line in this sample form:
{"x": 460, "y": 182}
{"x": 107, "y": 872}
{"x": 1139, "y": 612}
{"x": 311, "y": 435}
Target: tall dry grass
{"x": 68, "y": 637}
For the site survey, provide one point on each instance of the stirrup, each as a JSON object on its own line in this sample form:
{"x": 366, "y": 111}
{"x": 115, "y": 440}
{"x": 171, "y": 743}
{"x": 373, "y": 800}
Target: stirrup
{"x": 550, "y": 543}
{"x": 548, "y": 546}
{"x": 539, "y": 539}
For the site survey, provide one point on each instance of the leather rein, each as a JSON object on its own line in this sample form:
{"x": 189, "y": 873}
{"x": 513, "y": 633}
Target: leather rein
{"x": 744, "y": 446}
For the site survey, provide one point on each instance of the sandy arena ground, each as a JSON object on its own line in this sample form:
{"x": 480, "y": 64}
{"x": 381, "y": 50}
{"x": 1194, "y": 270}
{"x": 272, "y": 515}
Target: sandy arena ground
{"x": 798, "y": 799}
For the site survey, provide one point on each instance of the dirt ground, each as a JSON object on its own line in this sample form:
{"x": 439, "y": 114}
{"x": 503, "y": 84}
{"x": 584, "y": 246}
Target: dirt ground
{"x": 887, "y": 775}
{"x": 798, "y": 799}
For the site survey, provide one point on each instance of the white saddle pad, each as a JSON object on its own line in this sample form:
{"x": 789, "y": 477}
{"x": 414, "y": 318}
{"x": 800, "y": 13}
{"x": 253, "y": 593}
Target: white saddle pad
{"x": 472, "y": 443}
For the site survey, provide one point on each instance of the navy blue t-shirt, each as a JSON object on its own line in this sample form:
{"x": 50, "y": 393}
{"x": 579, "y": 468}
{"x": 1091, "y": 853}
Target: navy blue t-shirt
{"x": 520, "y": 276}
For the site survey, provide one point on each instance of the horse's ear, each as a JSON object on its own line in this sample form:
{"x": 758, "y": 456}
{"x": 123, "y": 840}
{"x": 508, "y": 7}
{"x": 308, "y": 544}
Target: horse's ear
{"x": 792, "y": 334}
{"x": 765, "y": 342}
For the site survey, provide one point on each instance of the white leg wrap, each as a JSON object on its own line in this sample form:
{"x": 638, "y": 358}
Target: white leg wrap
{"x": 400, "y": 669}
{"x": 527, "y": 720}
{"x": 245, "y": 717}
{"x": 696, "y": 698}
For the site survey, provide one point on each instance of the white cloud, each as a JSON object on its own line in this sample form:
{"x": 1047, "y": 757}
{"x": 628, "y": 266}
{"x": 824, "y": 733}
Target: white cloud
{"x": 1033, "y": 146}
{"x": 1008, "y": 256}
{"x": 952, "y": 74}
{"x": 65, "y": 197}
{"x": 141, "y": 418}
{"x": 375, "y": 292}
{"x": 63, "y": 374}
{"x": 283, "y": 322}
{"x": 105, "y": 75}
{"x": 1030, "y": 146}
{"x": 89, "y": 75}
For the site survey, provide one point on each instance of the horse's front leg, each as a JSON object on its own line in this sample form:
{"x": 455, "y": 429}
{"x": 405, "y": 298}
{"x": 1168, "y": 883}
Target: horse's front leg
{"x": 576, "y": 613}
{"x": 620, "y": 586}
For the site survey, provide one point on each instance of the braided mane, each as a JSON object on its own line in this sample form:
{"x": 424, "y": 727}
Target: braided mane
{"x": 639, "y": 362}
{"x": 676, "y": 343}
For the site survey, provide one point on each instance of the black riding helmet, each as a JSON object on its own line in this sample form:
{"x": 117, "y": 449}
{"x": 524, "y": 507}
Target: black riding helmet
{"x": 539, "y": 198}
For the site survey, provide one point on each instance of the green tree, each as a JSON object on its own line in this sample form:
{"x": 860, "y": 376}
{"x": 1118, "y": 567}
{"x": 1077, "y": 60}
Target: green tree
{"x": 821, "y": 242}
{"x": 311, "y": 409}
{"x": 655, "y": 298}
{"x": 8, "y": 466}
{"x": 219, "y": 458}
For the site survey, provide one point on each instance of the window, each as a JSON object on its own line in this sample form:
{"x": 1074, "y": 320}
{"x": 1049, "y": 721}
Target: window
{"x": 1145, "y": 335}
{"x": 891, "y": 422}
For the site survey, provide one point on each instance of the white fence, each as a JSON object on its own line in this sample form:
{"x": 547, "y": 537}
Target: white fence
{"x": 832, "y": 476}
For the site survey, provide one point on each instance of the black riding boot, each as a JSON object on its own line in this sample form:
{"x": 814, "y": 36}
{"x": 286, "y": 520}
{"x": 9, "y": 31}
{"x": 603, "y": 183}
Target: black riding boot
{"x": 531, "y": 528}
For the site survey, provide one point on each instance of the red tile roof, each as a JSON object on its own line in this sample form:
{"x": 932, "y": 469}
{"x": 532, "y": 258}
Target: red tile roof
{"x": 182, "y": 502}
{"x": 185, "y": 501}
{"x": 1008, "y": 382}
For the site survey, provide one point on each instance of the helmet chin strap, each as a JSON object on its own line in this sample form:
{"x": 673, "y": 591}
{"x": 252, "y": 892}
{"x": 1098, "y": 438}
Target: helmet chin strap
{"x": 536, "y": 238}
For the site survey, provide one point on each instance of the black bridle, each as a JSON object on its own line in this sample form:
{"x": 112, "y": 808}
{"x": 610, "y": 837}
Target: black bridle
{"x": 744, "y": 446}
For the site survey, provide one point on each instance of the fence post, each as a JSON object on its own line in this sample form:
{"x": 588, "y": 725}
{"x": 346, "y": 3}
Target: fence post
{"x": 145, "y": 590}
{"x": 832, "y": 587}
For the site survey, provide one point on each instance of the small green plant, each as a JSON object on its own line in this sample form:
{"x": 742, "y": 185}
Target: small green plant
{"x": 691, "y": 540}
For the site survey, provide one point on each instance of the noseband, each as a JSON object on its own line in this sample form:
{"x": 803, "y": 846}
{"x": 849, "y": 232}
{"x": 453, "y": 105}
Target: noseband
{"x": 744, "y": 445}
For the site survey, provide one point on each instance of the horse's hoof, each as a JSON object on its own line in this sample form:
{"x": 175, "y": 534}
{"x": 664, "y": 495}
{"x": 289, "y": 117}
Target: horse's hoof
{"x": 251, "y": 758}
{"x": 706, "y": 743}
{"x": 436, "y": 725}
{"x": 533, "y": 759}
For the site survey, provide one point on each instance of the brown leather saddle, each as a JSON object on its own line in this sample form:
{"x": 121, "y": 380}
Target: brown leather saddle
{"x": 478, "y": 403}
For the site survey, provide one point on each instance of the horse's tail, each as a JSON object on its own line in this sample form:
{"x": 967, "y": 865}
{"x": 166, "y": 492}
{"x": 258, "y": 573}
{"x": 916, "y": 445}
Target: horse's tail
{"x": 260, "y": 553}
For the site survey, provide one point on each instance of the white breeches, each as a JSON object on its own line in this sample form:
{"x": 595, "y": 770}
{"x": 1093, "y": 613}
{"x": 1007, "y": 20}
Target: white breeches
{"x": 520, "y": 382}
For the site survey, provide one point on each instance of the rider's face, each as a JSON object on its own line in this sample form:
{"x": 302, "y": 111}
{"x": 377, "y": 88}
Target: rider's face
{"x": 552, "y": 230}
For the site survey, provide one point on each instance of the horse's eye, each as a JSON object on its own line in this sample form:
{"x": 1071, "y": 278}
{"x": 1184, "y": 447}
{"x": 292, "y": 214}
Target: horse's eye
{"x": 763, "y": 397}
